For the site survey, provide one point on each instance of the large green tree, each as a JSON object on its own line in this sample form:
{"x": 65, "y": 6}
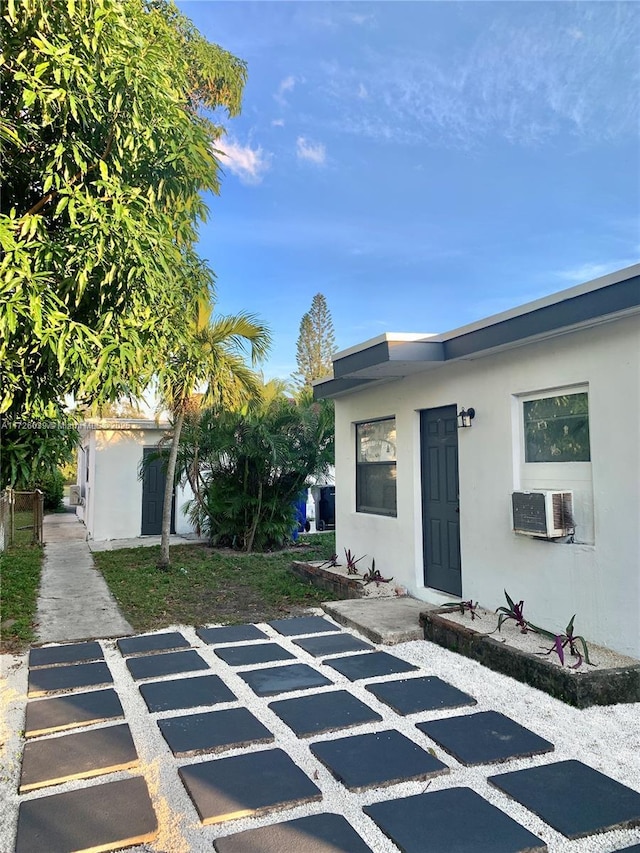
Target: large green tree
{"x": 108, "y": 139}
{"x": 316, "y": 344}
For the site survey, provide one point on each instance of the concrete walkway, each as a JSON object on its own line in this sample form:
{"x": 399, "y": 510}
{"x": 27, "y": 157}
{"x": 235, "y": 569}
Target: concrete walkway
{"x": 74, "y": 601}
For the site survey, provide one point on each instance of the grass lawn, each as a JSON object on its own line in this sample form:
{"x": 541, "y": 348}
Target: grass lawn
{"x": 23, "y": 527}
{"x": 20, "y": 573}
{"x": 209, "y": 585}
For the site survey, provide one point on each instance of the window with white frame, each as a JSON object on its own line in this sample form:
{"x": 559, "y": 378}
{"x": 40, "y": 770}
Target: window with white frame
{"x": 376, "y": 467}
{"x": 555, "y": 450}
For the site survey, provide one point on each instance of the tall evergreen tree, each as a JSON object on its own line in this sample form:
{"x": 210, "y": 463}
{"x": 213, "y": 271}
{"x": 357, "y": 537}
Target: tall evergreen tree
{"x": 316, "y": 343}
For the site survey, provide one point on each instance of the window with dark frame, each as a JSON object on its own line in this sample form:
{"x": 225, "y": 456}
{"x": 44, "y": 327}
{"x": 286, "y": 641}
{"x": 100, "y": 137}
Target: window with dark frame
{"x": 556, "y": 429}
{"x": 376, "y": 467}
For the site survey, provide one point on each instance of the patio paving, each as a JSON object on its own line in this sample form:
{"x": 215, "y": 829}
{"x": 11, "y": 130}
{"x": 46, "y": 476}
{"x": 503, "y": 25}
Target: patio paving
{"x": 323, "y": 833}
{"x": 411, "y": 820}
{"x": 573, "y": 798}
{"x": 245, "y": 785}
{"x": 234, "y": 739}
{"x": 213, "y": 731}
{"x": 323, "y": 712}
{"x": 152, "y": 643}
{"x": 484, "y": 737}
{"x": 376, "y": 760}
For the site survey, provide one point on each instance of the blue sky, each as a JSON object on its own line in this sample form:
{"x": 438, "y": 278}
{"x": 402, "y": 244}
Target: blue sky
{"x": 421, "y": 164}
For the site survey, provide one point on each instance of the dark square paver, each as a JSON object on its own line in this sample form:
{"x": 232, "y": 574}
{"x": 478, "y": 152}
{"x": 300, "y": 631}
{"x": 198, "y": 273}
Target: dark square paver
{"x": 244, "y": 785}
{"x": 372, "y": 760}
{"x": 182, "y": 693}
{"x": 411, "y": 695}
{"x": 51, "y": 761}
{"x": 323, "y": 712}
{"x": 59, "y": 679}
{"x": 254, "y": 653}
{"x": 332, "y": 644}
{"x": 303, "y": 625}
{"x": 369, "y": 665}
{"x": 634, "y": 849}
{"x": 484, "y": 737}
{"x": 68, "y": 653}
{"x": 230, "y": 634}
{"x": 71, "y": 711}
{"x": 572, "y": 798}
{"x": 153, "y": 666}
{"x": 152, "y": 643}
{"x": 283, "y": 679}
{"x": 455, "y": 820}
{"x": 101, "y": 817}
{"x": 319, "y": 833}
{"x": 213, "y": 731}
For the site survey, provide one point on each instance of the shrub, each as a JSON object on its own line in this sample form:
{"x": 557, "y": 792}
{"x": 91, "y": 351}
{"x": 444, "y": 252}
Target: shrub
{"x": 52, "y": 485}
{"x": 247, "y": 469}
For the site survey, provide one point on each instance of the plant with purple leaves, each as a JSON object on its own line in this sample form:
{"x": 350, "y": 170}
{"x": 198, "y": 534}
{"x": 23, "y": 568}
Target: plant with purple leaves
{"x": 352, "y": 561}
{"x": 464, "y": 607}
{"x": 513, "y": 611}
{"x": 374, "y": 576}
{"x": 561, "y": 641}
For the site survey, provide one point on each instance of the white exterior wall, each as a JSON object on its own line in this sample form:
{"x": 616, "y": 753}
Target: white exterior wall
{"x": 598, "y": 579}
{"x": 113, "y": 492}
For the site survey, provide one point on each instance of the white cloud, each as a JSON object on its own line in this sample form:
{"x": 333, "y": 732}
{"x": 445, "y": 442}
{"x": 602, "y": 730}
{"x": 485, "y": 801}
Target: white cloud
{"x": 528, "y": 77}
{"x": 360, "y": 20}
{"x": 314, "y": 152}
{"x": 286, "y": 85}
{"x": 277, "y": 122}
{"x": 248, "y": 163}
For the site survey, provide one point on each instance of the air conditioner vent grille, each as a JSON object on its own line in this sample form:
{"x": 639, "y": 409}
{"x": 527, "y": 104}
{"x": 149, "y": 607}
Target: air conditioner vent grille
{"x": 543, "y": 514}
{"x": 562, "y": 503}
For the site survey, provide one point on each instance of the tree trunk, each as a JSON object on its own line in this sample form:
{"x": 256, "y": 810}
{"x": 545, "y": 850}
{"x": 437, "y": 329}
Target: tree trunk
{"x": 256, "y": 519}
{"x": 164, "y": 562}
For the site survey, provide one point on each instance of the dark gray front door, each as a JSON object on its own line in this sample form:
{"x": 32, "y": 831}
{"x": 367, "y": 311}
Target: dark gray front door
{"x": 440, "y": 505}
{"x": 153, "y": 496}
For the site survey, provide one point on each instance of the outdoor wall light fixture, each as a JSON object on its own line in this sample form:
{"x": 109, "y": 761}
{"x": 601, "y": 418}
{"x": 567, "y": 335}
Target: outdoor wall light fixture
{"x": 465, "y": 416}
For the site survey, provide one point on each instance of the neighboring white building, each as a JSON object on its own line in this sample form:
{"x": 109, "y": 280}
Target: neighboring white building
{"x": 555, "y": 385}
{"x": 115, "y": 503}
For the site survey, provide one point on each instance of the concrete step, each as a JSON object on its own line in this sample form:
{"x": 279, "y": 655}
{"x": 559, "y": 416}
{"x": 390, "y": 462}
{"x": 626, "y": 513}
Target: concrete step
{"x": 383, "y": 620}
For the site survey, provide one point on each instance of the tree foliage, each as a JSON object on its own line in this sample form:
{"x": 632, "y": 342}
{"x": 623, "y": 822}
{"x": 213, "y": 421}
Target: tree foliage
{"x": 31, "y": 452}
{"x": 316, "y": 343}
{"x": 106, "y": 154}
{"x": 248, "y": 467}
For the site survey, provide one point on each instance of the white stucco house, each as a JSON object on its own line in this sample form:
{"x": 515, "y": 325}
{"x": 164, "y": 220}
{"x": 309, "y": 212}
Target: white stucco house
{"x": 113, "y": 502}
{"x": 538, "y": 493}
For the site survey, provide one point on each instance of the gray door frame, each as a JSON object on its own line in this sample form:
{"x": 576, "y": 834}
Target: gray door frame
{"x": 440, "y": 499}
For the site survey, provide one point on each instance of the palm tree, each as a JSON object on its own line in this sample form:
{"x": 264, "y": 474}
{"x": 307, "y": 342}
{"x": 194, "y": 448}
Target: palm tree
{"x": 248, "y": 466}
{"x": 214, "y": 356}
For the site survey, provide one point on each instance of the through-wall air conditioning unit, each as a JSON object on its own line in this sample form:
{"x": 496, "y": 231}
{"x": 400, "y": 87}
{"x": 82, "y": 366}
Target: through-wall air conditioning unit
{"x": 74, "y": 495}
{"x": 548, "y": 515}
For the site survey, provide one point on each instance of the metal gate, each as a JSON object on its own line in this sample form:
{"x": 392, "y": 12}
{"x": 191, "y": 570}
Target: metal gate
{"x": 21, "y": 515}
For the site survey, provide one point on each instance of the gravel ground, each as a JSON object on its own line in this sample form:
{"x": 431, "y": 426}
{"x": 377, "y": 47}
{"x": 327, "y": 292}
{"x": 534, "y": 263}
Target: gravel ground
{"x": 605, "y": 738}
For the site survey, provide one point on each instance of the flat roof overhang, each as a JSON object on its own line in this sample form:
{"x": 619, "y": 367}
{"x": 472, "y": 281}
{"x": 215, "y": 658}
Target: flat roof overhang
{"x": 388, "y": 357}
